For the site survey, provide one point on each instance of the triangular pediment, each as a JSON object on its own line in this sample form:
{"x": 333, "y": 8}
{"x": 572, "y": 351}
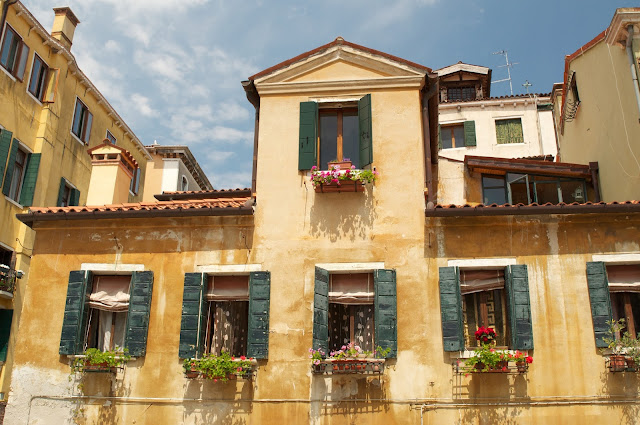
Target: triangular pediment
{"x": 342, "y": 62}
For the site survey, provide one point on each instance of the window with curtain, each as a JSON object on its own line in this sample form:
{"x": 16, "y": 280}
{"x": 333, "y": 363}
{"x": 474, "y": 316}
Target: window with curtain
{"x": 107, "y": 318}
{"x": 509, "y": 131}
{"x": 624, "y": 288}
{"x": 484, "y": 304}
{"x": 351, "y": 310}
{"x": 227, "y": 315}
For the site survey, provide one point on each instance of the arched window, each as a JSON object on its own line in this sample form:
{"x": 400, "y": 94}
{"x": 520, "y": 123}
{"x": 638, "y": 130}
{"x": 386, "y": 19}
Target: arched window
{"x": 185, "y": 184}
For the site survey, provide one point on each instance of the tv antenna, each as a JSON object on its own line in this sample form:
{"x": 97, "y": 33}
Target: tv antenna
{"x": 507, "y": 65}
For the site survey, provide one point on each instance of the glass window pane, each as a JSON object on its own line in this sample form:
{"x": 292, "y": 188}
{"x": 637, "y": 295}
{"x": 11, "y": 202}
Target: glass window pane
{"x": 546, "y": 192}
{"x": 573, "y": 191}
{"x": 446, "y": 137}
{"x": 35, "y": 74}
{"x": 6, "y": 48}
{"x": 350, "y": 139}
{"x": 328, "y": 138}
{"x": 509, "y": 131}
{"x": 485, "y": 308}
{"x": 23, "y": 61}
{"x": 13, "y": 52}
{"x": 87, "y": 130}
{"x": 493, "y": 190}
{"x": 458, "y": 135}
{"x": 77, "y": 118}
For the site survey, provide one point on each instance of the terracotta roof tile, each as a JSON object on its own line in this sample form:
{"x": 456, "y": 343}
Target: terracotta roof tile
{"x": 203, "y": 194}
{"x": 208, "y": 206}
{"x": 451, "y": 210}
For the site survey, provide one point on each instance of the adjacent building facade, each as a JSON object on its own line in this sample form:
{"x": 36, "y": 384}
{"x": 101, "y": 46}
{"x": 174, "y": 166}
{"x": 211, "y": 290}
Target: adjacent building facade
{"x": 51, "y": 115}
{"x": 599, "y": 110}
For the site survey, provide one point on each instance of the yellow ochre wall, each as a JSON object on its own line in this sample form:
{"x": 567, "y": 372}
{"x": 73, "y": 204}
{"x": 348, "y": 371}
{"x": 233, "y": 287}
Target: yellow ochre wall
{"x": 606, "y": 126}
{"x": 46, "y": 129}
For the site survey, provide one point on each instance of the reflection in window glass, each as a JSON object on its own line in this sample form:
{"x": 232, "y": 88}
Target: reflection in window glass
{"x": 519, "y": 189}
{"x": 328, "y": 138}
{"x": 493, "y": 190}
{"x": 350, "y": 142}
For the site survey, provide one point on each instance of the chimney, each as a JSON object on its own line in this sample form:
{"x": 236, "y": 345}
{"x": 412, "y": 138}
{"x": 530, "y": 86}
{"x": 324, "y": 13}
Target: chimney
{"x": 112, "y": 169}
{"x": 64, "y": 25}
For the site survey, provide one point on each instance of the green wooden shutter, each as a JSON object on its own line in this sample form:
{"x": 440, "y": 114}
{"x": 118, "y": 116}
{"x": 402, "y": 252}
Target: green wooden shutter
{"x": 258, "y": 332}
{"x": 63, "y": 185}
{"x": 451, "y": 309}
{"x": 600, "y": 298}
{"x": 10, "y": 165}
{"x": 519, "y": 306}
{"x": 308, "y": 149}
{"x": 365, "y": 127}
{"x": 139, "y": 311}
{"x": 321, "y": 310}
{"x": 469, "y": 133}
{"x": 30, "y": 180}
{"x": 439, "y": 136}
{"x": 75, "y": 312}
{"x": 385, "y": 311}
{"x": 6, "y": 317}
{"x": 5, "y": 146}
{"x": 193, "y": 317}
{"x": 75, "y": 197}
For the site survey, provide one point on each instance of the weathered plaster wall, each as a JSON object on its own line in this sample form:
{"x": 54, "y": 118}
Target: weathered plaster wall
{"x": 606, "y": 128}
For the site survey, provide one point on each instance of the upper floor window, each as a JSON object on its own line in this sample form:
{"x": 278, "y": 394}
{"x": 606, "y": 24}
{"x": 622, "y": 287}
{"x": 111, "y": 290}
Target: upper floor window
{"x": 227, "y": 315}
{"x": 5, "y": 256}
{"x": 484, "y": 304}
{"x": 111, "y": 138}
{"x": 68, "y": 195}
{"x": 14, "y": 53}
{"x": 515, "y": 188}
{"x": 82, "y": 119}
{"x": 461, "y": 93}
{"x": 108, "y": 307}
{"x": 17, "y": 174}
{"x": 39, "y": 72}
{"x": 457, "y": 135}
{"x": 134, "y": 187}
{"x": 330, "y": 134}
{"x": 509, "y": 131}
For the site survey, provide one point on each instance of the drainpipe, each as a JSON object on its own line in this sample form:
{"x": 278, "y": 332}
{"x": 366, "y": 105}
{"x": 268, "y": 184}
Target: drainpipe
{"x": 5, "y": 8}
{"x": 634, "y": 74}
{"x": 427, "y": 94}
{"x": 254, "y": 98}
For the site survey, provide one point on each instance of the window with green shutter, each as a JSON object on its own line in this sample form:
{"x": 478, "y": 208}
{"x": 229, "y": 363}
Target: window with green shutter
{"x": 498, "y": 298}
{"x": 356, "y": 307}
{"x": 335, "y": 134}
{"x": 452, "y": 136}
{"x": 68, "y": 195}
{"x": 21, "y": 173}
{"x": 225, "y": 313}
{"x": 107, "y": 312}
{"x": 5, "y": 147}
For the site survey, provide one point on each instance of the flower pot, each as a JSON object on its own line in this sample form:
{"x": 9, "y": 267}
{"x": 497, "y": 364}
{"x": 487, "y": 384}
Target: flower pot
{"x": 631, "y": 364}
{"x": 344, "y": 165}
{"x": 522, "y": 367}
{"x": 500, "y": 367}
{"x": 191, "y": 374}
{"x": 617, "y": 363}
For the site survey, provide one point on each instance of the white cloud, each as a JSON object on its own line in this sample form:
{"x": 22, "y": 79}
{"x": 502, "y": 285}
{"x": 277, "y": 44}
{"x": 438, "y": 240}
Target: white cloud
{"x": 112, "y": 46}
{"x": 231, "y": 135}
{"x": 219, "y": 156}
{"x": 229, "y": 180}
{"x": 143, "y": 105}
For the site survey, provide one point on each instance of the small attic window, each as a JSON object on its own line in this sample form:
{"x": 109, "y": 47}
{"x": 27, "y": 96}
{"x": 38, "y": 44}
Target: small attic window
{"x": 455, "y": 94}
{"x": 184, "y": 186}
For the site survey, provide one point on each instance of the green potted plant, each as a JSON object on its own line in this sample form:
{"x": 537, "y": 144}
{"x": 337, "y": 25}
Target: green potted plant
{"x": 337, "y": 179}
{"x": 218, "y": 367}
{"x": 522, "y": 361}
{"x": 625, "y": 350}
{"x": 94, "y": 360}
{"x": 350, "y": 358}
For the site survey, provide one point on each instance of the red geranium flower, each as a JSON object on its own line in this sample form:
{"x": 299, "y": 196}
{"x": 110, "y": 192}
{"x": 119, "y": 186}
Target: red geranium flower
{"x": 529, "y": 359}
{"x": 243, "y": 358}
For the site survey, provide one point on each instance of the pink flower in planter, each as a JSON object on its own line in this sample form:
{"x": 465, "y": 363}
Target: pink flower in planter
{"x": 239, "y": 369}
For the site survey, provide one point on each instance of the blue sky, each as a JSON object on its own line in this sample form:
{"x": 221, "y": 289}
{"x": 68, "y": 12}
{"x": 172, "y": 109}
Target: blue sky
{"x": 172, "y": 68}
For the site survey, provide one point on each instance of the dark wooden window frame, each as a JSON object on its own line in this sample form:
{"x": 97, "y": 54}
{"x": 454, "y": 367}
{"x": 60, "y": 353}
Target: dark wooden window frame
{"x": 464, "y": 93}
{"x": 43, "y": 76}
{"x": 451, "y": 128}
{"x": 18, "y": 184}
{"x": 84, "y": 130}
{"x": 532, "y": 195}
{"x": 340, "y": 114}
{"x": 110, "y": 137}
{"x": 17, "y": 54}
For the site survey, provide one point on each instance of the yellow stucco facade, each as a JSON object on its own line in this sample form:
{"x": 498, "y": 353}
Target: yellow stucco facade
{"x": 45, "y": 128}
{"x": 294, "y": 229}
{"x": 604, "y": 127}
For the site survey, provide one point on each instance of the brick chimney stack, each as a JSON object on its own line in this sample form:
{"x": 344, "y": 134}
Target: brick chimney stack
{"x": 64, "y": 25}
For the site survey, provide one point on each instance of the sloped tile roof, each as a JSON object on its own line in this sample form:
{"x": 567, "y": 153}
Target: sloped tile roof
{"x": 440, "y": 210}
{"x": 204, "y": 194}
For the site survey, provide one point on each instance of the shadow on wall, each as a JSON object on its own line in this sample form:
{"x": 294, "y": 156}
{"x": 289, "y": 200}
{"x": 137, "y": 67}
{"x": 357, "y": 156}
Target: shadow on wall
{"x": 346, "y": 396}
{"x": 224, "y": 403}
{"x": 343, "y": 215}
{"x": 621, "y": 385}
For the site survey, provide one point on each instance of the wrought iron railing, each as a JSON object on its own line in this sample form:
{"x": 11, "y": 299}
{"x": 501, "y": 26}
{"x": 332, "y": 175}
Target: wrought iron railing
{"x": 8, "y": 278}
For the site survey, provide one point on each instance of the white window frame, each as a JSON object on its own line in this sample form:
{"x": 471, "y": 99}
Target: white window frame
{"x": 115, "y": 140}
{"x": 4, "y": 31}
{"x": 33, "y": 62}
{"x": 73, "y": 118}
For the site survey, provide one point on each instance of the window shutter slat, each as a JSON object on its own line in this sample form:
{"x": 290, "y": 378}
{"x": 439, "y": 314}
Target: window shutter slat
{"x": 5, "y": 147}
{"x": 192, "y": 306}
{"x": 30, "y": 180}
{"x": 75, "y": 312}
{"x": 451, "y": 309}
{"x": 259, "y": 301}
{"x": 10, "y": 166}
{"x": 6, "y": 316}
{"x": 600, "y": 299}
{"x": 308, "y": 148}
{"x": 519, "y": 305}
{"x": 63, "y": 185}
{"x": 470, "y": 133}
{"x": 385, "y": 311}
{"x": 139, "y": 311}
{"x": 75, "y": 197}
{"x": 365, "y": 127}
{"x": 321, "y": 310}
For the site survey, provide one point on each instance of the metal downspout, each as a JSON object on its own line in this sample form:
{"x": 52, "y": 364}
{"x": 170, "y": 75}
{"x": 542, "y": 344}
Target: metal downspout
{"x": 634, "y": 74}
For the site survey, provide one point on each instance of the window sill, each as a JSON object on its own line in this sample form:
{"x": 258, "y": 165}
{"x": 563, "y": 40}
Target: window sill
{"x": 14, "y": 202}
{"x": 364, "y": 366}
{"x": 38, "y": 101}
{"x": 15, "y": 80}
{"x": 77, "y": 139}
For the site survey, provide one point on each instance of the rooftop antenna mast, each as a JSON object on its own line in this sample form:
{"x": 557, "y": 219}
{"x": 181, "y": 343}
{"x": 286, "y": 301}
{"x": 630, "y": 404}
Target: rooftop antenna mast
{"x": 507, "y": 65}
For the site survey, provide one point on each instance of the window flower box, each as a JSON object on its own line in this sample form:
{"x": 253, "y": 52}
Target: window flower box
{"x": 488, "y": 359}
{"x": 223, "y": 367}
{"x": 96, "y": 361}
{"x": 8, "y": 281}
{"x": 367, "y": 366}
{"x": 336, "y": 179}
{"x": 623, "y": 350}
